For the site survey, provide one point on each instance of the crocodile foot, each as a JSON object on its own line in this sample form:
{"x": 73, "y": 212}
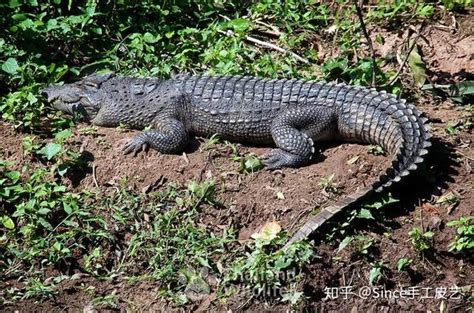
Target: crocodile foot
{"x": 278, "y": 158}
{"x": 135, "y": 145}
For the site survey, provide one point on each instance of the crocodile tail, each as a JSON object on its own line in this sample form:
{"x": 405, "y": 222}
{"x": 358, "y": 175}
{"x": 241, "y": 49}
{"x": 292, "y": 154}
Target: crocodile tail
{"x": 399, "y": 128}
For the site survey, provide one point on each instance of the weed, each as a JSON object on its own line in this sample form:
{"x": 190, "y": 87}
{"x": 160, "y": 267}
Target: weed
{"x": 464, "y": 240}
{"x": 265, "y": 272}
{"x": 88, "y": 130}
{"x": 211, "y": 143}
{"x": 403, "y": 263}
{"x": 421, "y": 241}
{"x": 161, "y": 235}
{"x": 249, "y": 163}
{"x": 328, "y": 184}
{"x": 375, "y": 272}
{"x": 108, "y": 301}
{"x": 35, "y": 288}
{"x": 376, "y": 150}
{"x": 367, "y": 212}
{"x": 362, "y": 247}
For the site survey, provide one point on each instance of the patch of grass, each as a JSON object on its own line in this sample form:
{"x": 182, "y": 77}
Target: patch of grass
{"x": 266, "y": 271}
{"x": 372, "y": 209}
{"x": 145, "y": 236}
{"x": 108, "y": 301}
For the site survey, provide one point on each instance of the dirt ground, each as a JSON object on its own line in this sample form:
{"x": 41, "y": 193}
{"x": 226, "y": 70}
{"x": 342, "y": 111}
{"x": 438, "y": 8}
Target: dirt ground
{"x": 252, "y": 201}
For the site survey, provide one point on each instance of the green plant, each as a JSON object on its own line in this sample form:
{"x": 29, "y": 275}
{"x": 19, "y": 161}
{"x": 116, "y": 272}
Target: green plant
{"x": 268, "y": 269}
{"x": 49, "y": 226}
{"x": 421, "y": 241}
{"x": 249, "y": 163}
{"x": 107, "y": 301}
{"x": 376, "y": 272}
{"x": 376, "y": 150}
{"x": 328, "y": 184}
{"x": 464, "y": 240}
{"x": 362, "y": 247}
{"x": 403, "y": 263}
{"x": 367, "y": 212}
{"x": 211, "y": 143}
{"x": 64, "y": 159}
{"x": 457, "y": 4}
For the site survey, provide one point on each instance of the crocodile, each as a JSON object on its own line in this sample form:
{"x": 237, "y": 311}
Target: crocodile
{"x": 290, "y": 114}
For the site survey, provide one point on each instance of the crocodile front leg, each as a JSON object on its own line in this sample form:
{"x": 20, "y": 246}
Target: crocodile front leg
{"x": 293, "y": 131}
{"x": 168, "y": 136}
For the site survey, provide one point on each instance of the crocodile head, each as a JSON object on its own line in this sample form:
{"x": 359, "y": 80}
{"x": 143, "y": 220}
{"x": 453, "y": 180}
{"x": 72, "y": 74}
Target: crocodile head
{"x": 82, "y": 97}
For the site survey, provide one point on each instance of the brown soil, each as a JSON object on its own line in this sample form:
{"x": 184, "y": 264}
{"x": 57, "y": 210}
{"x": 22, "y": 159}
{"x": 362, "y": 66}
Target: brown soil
{"x": 251, "y": 201}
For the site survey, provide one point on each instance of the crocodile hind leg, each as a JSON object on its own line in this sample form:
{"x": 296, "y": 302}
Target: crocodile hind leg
{"x": 294, "y": 131}
{"x": 168, "y": 136}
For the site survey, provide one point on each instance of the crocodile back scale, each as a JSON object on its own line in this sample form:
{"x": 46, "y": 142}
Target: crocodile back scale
{"x": 289, "y": 114}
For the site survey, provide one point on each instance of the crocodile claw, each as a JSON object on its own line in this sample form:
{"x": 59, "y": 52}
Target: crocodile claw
{"x": 135, "y": 145}
{"x": 278, "y": 158}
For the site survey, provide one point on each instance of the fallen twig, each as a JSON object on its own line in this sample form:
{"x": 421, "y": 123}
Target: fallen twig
{"x": 369, "y": 41}
{"x": 268, "y": 45}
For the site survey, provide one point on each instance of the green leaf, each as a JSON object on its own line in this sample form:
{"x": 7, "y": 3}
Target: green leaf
{"x": 417, "y": 66}
{"x": 62, "y": 135}
{"x": 428, "y": 234}
{"x": 150, "y": 38}
{"x": 10, "y": 66}
{"x": 466, "y": 87}
{"x": 374, "y": 274}
{"x": 282, "y": 263}
{"x": 45, "y": 223}
{"x": 250, "y": 163}
{"x": 50, "y": 150}
{"x": 59, "y": 188}
{"x": 402, "y": 263}
{"x": 344, "y": 243}
{"x": 67, "y": 208}
{"x": 43, "y": 211}
{"x": 239, "y": 24}
{"x": 8, "y": 222}
{"x": 13, "y": 175}
{"x": 292, "y": 297}
{"x": 62, "y": 169}
{"x": 365, "y": 213}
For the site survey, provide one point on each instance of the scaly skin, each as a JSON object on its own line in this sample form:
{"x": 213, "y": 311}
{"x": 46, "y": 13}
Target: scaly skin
{"x": 291, "y": 114}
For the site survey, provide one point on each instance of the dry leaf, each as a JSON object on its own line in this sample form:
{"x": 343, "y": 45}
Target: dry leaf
{"x": 417, "y": 67}
{"x": 353, "y": 160}
{"x": 280, "y": 195}
{"x": 268, "y": 232}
